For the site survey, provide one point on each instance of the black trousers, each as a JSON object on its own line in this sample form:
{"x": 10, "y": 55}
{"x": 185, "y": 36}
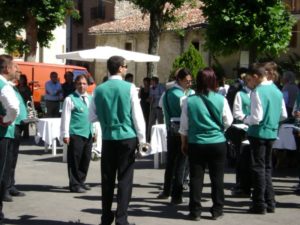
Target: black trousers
{"x": 14, "y": 153}
{"x": 261, "y": 164}
{"x": 175, "y": 167}
{"x": 78, "y": 156}
{"x": 5, "y": 165}
{"x": 117, "y": 160}
{"x": 213, "y": 156}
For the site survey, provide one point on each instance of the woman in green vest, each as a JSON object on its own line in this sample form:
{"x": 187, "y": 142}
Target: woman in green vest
{"x": 203, "y": 119}
{"x": 267, "y": 109}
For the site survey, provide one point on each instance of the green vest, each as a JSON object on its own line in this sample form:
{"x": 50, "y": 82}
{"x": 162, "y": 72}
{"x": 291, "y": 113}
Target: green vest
{"x": 79, "y": 123}
{"x": 171, "y": 103}
{"x": 271, "y": 100}
{"x": 113, "y": 108}
{"x": 246, "y": 103}
{"x": 23, "y": 111}
{"x": 9, "y": 131}
{"x": 202, "y": 126}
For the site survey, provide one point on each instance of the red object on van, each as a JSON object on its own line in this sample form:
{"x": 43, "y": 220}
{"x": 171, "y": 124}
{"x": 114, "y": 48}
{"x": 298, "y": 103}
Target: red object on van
{"x": 39, "y": 73}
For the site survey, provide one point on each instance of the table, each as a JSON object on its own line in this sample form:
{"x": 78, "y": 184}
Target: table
{"x": 286, "y": 138}
{"x": 158, "y": 142}
{"x": 48, "y": 129}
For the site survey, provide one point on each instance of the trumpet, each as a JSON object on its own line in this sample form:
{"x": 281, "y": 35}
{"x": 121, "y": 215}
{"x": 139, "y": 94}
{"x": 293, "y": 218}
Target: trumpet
{"x": 144, "y": 149}
{"x": 32, "y": 116}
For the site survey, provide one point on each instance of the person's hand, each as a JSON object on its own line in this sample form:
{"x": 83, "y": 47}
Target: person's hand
{"x": 3, "y": 124}
{"x": 66, "y": 140}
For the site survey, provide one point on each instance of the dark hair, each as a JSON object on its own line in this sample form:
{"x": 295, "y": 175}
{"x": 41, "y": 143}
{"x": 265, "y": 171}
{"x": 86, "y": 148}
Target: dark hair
{"x": 128, "y": 76}
{"x": 147, "y": 79}
{"x": 206, "y": 81}
{"x": 68, "y": 73}
{"x": 5, "y": 61}
{"x": 182, "y": 73}
{"x": 241, "y": 71}
{"x": 53, "y": 73}
{"x": 155, "y": 79}
{"x": 79, "y": 77}
{"x": 258, "y": 69}
{"x": 24, "y": 78}
{"x": 114, "y": 63}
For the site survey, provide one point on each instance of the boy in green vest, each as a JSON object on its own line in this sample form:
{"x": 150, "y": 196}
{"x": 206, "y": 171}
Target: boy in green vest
{"x": 116, "y": 105}
{"x": 267, "y": 109}
{"x": 76, "y": 131}
{"x": 9, "y": 110}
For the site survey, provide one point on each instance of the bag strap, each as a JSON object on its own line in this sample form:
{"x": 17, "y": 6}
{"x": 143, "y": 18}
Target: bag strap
{"x": 213, "y": 116}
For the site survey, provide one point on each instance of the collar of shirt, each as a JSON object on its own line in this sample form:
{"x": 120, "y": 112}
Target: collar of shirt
{"x": 3, "y": 78}
{"x": 115, "y": 77}
{"x": 267, "y": 82}
{"x": 82, "y": 95}
{"x": 178, "y": 86}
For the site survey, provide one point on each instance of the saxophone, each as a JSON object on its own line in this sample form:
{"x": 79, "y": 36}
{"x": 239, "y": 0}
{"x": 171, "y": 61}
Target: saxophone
{"x": 32, "y": 116}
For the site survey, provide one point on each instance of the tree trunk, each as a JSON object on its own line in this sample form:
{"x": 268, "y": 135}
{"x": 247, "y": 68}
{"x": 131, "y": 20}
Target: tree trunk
{"x": 154, "y": 35}
{"x": 31, "y": 37}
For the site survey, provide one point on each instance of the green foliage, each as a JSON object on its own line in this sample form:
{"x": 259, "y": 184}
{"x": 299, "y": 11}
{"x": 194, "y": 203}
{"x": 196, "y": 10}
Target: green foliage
{"x": 16, "y": 15}
{"x": 263, "y": 27}
{"x": 190, "y": 59}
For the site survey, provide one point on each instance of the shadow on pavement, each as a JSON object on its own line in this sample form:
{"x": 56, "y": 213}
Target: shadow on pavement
{"x": 27, "y": 220}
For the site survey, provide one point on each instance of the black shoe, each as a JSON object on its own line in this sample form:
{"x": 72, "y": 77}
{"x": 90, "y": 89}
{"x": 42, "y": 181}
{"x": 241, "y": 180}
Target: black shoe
{"x": 78, "y": 190}
{"x": 177, "y": 201}
{"x": 254, "y": 210}
{"x": 7, "y": 197}
{"x": 162, "y": 195}
{"x": 216, "y": 216}
{"x": 16, "y": 193}
{"x": 86, "y": 187}
{"x": 270, "y": 209}
{"x": 193, "y": 217}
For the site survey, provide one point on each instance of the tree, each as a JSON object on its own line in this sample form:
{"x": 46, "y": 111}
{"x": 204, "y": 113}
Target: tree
{"x": 259, "y": 26}
{"x": 190, "y": 59}
{"x": 37, "y": 18}
{"x": 161, "y": 12}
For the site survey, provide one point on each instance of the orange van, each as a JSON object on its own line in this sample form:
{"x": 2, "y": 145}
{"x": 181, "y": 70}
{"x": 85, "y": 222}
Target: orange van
{"x": 39, "y": 73}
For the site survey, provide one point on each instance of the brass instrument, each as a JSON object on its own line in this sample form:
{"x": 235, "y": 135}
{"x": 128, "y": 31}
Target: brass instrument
{"x": 144, "y": 149}
{"x": 32, "y": 116}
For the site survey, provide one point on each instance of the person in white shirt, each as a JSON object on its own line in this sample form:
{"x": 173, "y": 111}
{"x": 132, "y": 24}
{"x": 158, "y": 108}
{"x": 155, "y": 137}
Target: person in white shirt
{"x": 9, "y": 110}
{"x": 76, "y": 131}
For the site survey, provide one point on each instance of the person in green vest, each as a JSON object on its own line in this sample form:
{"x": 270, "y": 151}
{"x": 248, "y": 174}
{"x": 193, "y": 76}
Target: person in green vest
{"x": 117, "y": 107}
{"x": 76, "y": 131}
{"x": 266, "y": 111}
{"x": 237, "y": 134}
{"x": 176, "y": 161}
{"x": 9, "y": 110}
{"x": 15, "y": 145}
{"x": 203, "y": 119}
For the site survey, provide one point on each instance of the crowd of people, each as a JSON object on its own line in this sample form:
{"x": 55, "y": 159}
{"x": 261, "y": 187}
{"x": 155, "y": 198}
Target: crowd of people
{"x": 199, "y": 124}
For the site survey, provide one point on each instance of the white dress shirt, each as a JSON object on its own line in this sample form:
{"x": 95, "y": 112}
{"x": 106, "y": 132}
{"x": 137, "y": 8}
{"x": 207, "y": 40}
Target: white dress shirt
{"x": 68, "y": 106}
{"x": 136, "y": 110}
{"x": 237, "y": 109}
{"x": 184, "y": 120}
{"x": 256, "y": 115}
{"x": 9, "y": 101}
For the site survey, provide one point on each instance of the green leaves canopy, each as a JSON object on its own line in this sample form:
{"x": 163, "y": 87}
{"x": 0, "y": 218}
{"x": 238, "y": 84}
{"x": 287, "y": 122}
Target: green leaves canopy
{"x": 261, "y": 26}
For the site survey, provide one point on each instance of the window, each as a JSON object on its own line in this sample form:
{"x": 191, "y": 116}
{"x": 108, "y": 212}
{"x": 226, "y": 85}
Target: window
{"x": 128, "y": 46}
{"x": 79, "y": 41}
{"x": 98, "y": 12}
{"x": 196, "y": 45}
{"x": 293, "y": 41}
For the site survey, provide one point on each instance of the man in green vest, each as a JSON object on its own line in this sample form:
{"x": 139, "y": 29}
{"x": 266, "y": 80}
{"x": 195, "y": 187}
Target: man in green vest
{"x": 76, "y": 131}
{"x": 117, "y": 107}
{"x": 14, "y": 147}
{"x": 266, "y": 110}
{"x": 9, "y": 110}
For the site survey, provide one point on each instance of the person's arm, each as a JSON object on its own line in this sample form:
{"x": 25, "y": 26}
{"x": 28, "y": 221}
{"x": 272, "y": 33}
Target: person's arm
{"x": 92, "y": 111}
{"x": 227, "y": 116}
{"x": 65, "y": 120}
{"x": 10, "y": 103}
{"x": 137, "y": 115}
{"x": 237, "y": 109}
{"x": 284, "y": 114}
{"x": 256, "y": 114}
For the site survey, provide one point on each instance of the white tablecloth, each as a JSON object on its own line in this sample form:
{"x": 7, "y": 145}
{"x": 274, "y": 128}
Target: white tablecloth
{"x": 48, "y": 129}
{"x": 158, "y": 142}
{"x": 285, "y": 138}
